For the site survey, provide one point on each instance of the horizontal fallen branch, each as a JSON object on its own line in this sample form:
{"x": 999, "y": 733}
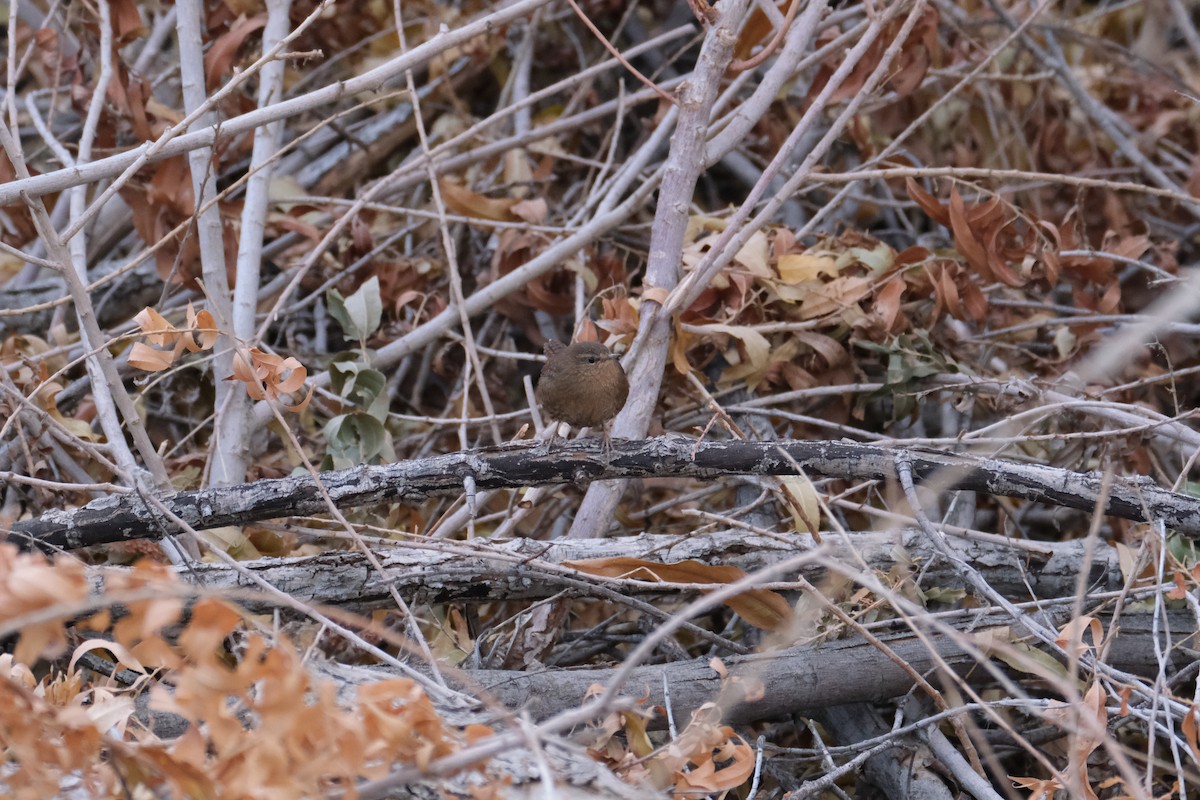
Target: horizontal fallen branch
{"x": 131, "y": 516}
{"x": 809, "y": 677}
{"x": 481, "y": 570}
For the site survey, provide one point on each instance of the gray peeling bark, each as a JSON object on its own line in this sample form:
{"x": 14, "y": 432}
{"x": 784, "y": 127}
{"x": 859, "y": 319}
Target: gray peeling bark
{"x": 129, "y": 516}
{"x": 482, "y": 570}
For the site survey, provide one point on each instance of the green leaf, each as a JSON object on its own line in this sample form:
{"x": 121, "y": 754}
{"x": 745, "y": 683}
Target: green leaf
{"x": 360, "y": 313}
{"x": 354, "y": 439}
{"x": 1183, "y": 549}
{"x": 363, "y": 386}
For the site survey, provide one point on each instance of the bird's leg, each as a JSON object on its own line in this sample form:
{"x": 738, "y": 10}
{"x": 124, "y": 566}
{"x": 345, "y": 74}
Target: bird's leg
{"x": 606, "y": 443}
{"x": 550, "y": 439}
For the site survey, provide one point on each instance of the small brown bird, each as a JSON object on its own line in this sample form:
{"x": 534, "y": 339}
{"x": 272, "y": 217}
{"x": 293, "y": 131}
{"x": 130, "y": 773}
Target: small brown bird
{"x": 582, "y": 385}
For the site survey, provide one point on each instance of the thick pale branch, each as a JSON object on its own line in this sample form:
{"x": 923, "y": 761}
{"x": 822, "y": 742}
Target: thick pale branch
{"x": 129, "y": 517}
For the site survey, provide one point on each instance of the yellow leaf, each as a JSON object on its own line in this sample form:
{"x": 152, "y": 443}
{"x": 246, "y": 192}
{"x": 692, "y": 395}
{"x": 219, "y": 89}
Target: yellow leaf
{"x": 799, "y": 267}
{"x": 230, "y": 539}
{"x": 999, "y": 643}
{"x": 806, "y": 508}
{"x": 636, "y": 734}
{"x": 757, "y": 346}
{"x": 282, "y": 188}
{"x": 699, "y": 225}
{"x": 754, "y": 256}
{"x": 879, "y": 258}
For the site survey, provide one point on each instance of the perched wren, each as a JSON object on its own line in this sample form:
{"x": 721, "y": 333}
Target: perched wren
{"x": 582, "y": 385}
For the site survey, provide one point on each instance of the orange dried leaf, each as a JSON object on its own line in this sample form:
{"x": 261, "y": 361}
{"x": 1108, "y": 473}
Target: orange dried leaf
{"x": 204, "y": 636}
{"x": 463, "y": 201}
{"x": 998, "y": 262}
{"x": 681, "y": 342}
{"x": 655, "y": 294}
{"x": 476, "y": 732}
{"x": 706, "y": 776}
{"x": 887, "y": 302}
{"x": 295, "y": 378}
{"x": 964, "y": 237}
{"x": 973, "y": 300}
{"x": 204, "y": 324}
{"x": 268, "y": 376}
{"x": 156, "y": 327}
{"x": 303, "y": 404}
{"x": 145, "y": 357}
{"x": 126, "y": 22}
{"x": 762, "y": 608}
{"x": 1039, "y": 788}
{"x": 1070, "y": 637}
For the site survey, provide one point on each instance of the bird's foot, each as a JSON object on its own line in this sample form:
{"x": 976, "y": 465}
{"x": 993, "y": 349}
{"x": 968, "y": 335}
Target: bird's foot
{"x": 606, "y": 448}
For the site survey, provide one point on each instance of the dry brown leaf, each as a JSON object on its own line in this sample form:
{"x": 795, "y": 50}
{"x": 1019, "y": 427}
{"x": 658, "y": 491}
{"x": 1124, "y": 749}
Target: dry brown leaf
{"x": 1070, "y": 636}
{"x": 162, "y": 333}
{"x": 887, "y": 303}
{"x": 218, "y": 61}
{"x": 681, "y": 343}
{"x": 917, "y": 55}
{"x": 463, "y": 201}
{"x": 928, "y": 203}
{"x": 1191, "y": 730}
{"x": 655, "y": 294}
{"x": 707, "y": 777}
{"x": 839, "y": 294}
{"x": 1086, "y": 739}
{"x": 964, "y": 237}
{"x": 123, "y": 656}
{"x": 1039, "y": 788}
